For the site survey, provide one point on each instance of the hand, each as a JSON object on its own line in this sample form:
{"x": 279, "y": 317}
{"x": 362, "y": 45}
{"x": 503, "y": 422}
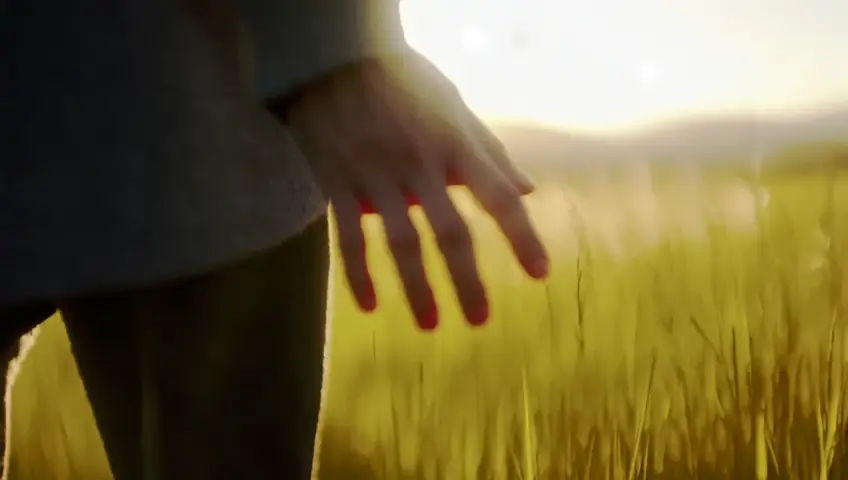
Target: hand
{"x": 389, "y": 133}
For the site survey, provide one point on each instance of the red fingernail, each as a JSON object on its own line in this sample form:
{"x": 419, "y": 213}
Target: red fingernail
{"x": 430, "y": 319}
{"x": 366, "y": 208}
{"x": 453, "y": 178}
{"x": 539, "y": 269}
{"x": 480, "y": 315}
{"x": 412, "y": 200}
{"x": 369, "y": 302}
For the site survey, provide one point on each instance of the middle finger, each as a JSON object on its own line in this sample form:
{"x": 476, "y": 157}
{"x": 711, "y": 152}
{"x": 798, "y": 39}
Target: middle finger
{"x": 455, "y": 242}
{"x": 405, "y": 245}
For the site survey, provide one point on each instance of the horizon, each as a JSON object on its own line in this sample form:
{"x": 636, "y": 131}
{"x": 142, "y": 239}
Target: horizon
{"x": 662, "y": 125}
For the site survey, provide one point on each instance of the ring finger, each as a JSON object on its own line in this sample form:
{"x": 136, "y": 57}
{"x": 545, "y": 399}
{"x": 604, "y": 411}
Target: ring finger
{"x": 455, "y": 242}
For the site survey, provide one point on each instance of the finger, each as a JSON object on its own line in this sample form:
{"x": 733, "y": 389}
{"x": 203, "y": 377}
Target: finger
{"x": 455, "y": 243}
{"x": 405, "y": 245}
{"x": 341, "y": 191}
{"x": 498, "y": 153}
{"x": 353, "y": 248}
{"x": 366, "y": 207}
{"x": 503, "y": 202}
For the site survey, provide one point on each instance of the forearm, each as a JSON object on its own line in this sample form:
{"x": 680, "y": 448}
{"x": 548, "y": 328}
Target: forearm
{"x": 299, "y": 41}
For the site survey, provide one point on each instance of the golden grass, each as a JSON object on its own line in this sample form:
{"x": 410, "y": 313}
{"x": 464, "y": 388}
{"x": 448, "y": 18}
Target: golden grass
{"x": 693, "y": 326}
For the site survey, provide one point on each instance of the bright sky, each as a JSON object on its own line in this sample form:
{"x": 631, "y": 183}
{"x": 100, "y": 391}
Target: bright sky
{"x": 617, "y": 63}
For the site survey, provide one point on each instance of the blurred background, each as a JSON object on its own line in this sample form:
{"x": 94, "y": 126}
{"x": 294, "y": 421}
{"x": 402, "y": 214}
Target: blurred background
{"x": 692, "y": 159}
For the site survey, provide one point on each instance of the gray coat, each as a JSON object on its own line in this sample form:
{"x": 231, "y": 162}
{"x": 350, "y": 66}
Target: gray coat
{"x": 133, "y": 145}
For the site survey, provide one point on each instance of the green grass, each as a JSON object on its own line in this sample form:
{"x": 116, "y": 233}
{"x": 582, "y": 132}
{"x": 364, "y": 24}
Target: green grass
{"x": 694, "y": 326}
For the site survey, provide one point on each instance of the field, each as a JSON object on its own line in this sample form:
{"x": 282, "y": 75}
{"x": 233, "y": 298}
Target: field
{"x": 695, "y": 326}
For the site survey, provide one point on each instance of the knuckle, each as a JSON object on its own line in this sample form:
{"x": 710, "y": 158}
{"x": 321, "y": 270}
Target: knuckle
{"x": 465, "y": 147}
{"x": 496, "y": 146}
{"x": 404, "y": 239}
{"x": 506, "y": 202}
{"x": 453, "y": 233}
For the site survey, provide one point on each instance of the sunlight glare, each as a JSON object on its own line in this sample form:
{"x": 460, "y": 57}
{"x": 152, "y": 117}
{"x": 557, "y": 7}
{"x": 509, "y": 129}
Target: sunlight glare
{"x": 473, "y": 40}
{"x": 571, "y": 63}
{"x": 648, "y": 73}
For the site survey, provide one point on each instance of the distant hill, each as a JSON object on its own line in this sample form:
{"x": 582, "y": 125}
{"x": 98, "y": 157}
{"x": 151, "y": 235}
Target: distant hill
{"x": 713, "y": 139}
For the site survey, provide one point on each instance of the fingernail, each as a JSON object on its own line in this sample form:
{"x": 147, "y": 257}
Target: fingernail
{"x": 453, "y": 178}
{"x": 412, "y": 200}
{"x": 366, "y": 208}
{"x": 430, "y": 319}
{"x": 369, "y": 302}
{"x": 480, "y": 315}
{"x": 526, "y": 185}
{"x": 527, "y": 189}
{"x": 540, "y": 269}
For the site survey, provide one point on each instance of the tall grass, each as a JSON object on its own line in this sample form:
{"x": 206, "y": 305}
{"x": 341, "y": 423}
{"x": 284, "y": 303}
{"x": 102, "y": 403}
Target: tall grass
{"x": 693, "y": 326}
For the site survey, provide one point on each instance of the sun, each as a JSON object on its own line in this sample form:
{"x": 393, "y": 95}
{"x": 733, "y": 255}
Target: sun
{"x": 648, "y": 74}
{"x": 473, "y": 40}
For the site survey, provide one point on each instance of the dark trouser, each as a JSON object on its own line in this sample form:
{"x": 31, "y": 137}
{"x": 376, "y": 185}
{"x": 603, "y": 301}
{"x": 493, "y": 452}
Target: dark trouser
{"x": 214, "y": 377}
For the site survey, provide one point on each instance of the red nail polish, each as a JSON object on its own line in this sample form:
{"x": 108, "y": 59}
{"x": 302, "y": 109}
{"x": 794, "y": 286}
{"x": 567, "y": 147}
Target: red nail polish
{"x": 429, "y": 322}
{"x": 412, "y": 200}
{"x": 479, "y": 316}
{"x": 430, "y": 319}
{"x": 369, "y": 302}
{"x": 453, "y": 178}
{"x": 539, "y": 269}
{"x": 366, "y": 208}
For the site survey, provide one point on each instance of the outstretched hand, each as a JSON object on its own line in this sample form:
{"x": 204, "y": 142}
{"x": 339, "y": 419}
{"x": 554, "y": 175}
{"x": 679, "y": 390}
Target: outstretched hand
{"x": 383, "y": 135}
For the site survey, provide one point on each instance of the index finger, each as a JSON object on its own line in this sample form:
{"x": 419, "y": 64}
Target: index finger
{"x": 502, "y": 200}
{"x": 499, "y": 155}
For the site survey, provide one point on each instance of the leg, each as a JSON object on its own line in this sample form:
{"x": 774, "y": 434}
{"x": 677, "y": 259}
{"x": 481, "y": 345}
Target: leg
{"x": 15, "y": 322}
{"x": 214, "y": 377}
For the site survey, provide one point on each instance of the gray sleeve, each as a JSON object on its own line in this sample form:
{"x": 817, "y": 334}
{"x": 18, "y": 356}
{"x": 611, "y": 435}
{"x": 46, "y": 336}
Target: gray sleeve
{"x": 296, "y": 41}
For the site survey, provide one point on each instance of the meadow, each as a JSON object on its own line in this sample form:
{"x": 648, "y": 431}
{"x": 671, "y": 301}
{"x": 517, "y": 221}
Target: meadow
{"x": 695, "y": 325}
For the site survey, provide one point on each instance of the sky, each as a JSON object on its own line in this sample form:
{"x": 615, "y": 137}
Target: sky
{"x": 612, "y": 64}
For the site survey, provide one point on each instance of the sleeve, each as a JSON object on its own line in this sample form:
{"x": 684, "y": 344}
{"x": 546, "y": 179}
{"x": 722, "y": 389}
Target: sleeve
{"x": 296, "y": 41}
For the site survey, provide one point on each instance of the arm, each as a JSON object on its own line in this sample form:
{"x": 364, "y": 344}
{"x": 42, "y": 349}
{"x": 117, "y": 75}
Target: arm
{"x": 299, "y": 41}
